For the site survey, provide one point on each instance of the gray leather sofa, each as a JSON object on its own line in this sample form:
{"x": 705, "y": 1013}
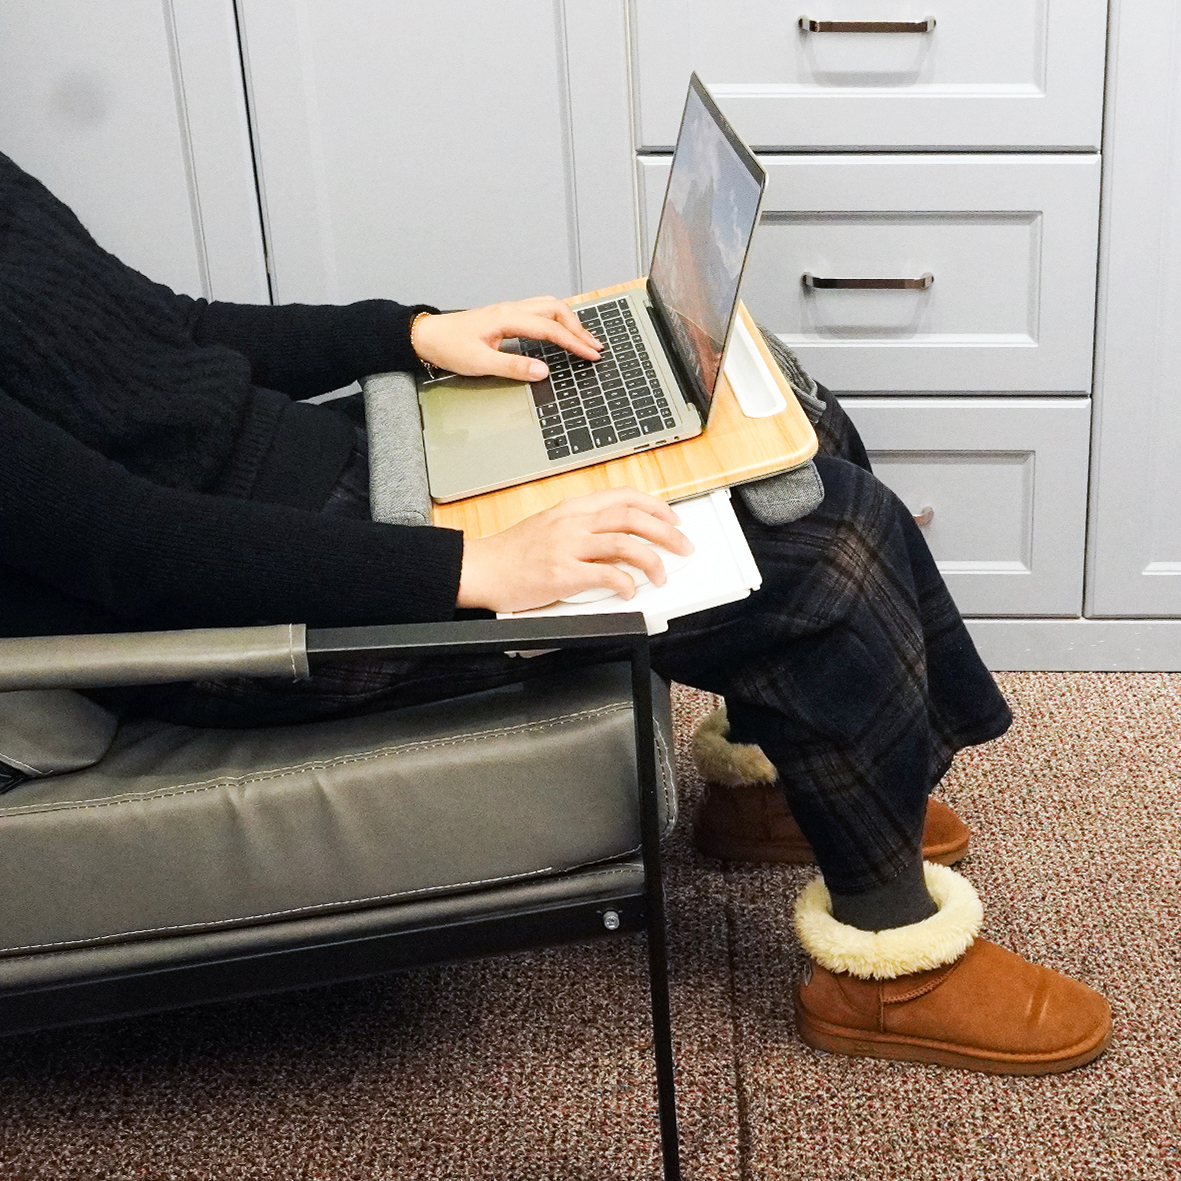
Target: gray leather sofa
{"x": 147, "y": 866}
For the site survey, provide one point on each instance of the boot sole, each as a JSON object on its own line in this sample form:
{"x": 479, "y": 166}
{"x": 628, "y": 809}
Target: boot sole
{"x": 834, "y": 1039}
{"x": 733, "y": 850}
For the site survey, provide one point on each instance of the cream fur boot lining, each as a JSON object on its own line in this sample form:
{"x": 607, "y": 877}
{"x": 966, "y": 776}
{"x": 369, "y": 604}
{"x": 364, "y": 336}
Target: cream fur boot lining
{"x": 886, "y": 955}
{"x": 731, "y": 764}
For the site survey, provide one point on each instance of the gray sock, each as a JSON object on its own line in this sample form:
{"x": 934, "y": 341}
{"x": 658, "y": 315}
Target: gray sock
{"x": 900, "y": 902}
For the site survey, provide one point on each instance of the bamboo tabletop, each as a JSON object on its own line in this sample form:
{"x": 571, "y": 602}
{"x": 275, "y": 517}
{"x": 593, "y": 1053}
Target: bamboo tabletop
{"x": 731, "y": 450}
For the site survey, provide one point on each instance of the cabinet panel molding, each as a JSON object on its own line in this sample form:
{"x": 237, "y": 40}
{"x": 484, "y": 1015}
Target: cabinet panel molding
{"x": 1010, "y": 240}
{"x": 990, "y": 74}
{"x": 1001, "y": 485}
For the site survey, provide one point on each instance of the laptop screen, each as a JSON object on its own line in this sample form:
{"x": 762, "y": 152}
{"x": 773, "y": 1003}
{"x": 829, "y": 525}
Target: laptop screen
{"x": 708, "y": 219}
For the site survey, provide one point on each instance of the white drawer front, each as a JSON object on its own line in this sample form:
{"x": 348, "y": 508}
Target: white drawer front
{"x": 1003, "y": 482}
{"x": 1009, "y": 240}
{"x": 991, "y": 73}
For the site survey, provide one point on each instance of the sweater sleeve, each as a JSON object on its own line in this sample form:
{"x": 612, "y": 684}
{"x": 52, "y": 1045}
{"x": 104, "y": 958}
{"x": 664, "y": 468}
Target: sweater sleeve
{"x": 306, "y": 349}
{"x": 159, "y": 557}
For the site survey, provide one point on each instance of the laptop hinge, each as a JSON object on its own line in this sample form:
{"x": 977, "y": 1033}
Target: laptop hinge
{"x": 674, "y": 360}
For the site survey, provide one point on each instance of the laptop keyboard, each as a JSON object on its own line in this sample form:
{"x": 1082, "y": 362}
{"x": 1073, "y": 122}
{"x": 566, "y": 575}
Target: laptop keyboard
{"x": 587, "y": 404}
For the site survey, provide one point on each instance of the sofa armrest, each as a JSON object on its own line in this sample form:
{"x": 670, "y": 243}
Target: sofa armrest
{"x": 282, "y": 650}
{"x": 477, "y": 636}
{"x": 145, "y": 658}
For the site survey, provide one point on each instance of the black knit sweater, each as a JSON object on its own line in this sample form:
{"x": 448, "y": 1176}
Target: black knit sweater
{"x": 156, "y": 466}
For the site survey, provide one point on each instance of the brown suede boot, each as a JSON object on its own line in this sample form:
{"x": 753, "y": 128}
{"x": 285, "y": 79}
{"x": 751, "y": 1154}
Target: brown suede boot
{"x": 745, "y": 816}
{"x": 934, "y": 992}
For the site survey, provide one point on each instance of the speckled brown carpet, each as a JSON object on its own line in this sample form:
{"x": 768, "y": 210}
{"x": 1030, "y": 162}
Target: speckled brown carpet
{"x": 538, "y": 1066}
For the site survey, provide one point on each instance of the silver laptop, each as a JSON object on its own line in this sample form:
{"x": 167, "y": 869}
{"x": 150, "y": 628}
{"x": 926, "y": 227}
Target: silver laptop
{"x": 663, "y": 343}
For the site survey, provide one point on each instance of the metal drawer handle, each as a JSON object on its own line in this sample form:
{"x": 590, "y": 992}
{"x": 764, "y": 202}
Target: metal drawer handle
{"x": 815, "y": 26}
{"x": 921, "y": 284}
{"x": 924, "y": 516}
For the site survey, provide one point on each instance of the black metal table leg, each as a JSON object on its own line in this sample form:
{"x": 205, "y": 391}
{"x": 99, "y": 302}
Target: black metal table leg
{"x": 662, "y": 1042}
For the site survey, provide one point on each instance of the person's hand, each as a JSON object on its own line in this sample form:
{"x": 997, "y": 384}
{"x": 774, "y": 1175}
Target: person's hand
{"x": 469, "y": 342}
{"x": 570, "y": 548}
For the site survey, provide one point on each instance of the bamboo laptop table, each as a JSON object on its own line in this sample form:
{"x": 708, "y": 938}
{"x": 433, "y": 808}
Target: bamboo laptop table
{"x": 733, "y": 449}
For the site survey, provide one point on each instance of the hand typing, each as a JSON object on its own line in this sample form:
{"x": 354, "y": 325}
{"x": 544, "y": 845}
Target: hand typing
{"x": 469, "y": 342}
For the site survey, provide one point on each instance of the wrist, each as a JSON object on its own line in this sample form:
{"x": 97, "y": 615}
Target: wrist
{"x": 467, "y": 593}
{"x": 419, "y": 332}
{"x": 415, "y": 333}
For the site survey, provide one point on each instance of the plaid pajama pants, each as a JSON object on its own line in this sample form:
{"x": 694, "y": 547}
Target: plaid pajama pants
{"x": 850, "y": 667}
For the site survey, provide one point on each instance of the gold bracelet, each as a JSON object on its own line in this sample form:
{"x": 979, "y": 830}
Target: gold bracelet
{"x": 413, "y": 326}
{"x": 433, "y": 372}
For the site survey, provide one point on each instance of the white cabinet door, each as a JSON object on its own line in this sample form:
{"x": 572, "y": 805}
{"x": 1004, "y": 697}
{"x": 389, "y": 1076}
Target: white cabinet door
{"x": 1000, "y": 485}
{"x": 1135, "y": 560}
{"x": 1010, "y": 243}
{"x": 419, "y": 152}
{"x": 990, "y": 73}
{"x": 134, "y": 115}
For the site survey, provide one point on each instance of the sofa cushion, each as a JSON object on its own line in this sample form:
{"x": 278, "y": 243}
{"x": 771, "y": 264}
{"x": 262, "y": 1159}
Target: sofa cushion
{"x": 49, "y": 731}
{"x": 180, "y": 830}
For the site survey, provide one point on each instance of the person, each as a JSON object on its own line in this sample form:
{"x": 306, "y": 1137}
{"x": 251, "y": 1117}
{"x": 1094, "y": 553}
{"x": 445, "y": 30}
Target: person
{"x": 161, "y": 468}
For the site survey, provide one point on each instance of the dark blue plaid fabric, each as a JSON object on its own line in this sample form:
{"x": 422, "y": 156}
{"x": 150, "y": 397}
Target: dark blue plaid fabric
{"x": 850, "y": 667}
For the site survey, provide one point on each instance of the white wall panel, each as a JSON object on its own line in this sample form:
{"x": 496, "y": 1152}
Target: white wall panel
{"x": 133, "y": 113}
{"x": 415, "y": 152}
{"x": 1135, "y": 559}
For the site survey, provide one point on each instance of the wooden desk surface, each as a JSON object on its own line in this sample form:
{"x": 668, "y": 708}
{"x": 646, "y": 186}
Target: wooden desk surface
{"x": 731, "y": 450}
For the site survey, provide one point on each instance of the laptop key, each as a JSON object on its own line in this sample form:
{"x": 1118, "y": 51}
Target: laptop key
{"x": 542, "y": 392}
{"x": 553, "y": 432}
{"x": 557, "y": 452}
{"x": 580, "y": 440}
{"x": 631, "y": 432}
{"x": 550, "y": 420}
{"x": 651, "y": 425}
{"x": 604, "y": 437}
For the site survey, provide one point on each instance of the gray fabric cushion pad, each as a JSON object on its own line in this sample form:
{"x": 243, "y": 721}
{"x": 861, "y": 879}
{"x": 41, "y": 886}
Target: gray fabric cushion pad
{"x": 398, "y": 491}
{"x": 185, "y": 831}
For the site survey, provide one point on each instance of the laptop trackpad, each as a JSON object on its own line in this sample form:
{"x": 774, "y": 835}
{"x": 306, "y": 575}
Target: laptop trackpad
{"x": 479, "y": 432}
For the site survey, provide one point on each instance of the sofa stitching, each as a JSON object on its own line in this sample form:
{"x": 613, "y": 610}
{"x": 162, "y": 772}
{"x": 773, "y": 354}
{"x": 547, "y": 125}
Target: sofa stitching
{"x": 665, "y": 764}
{"x": 317, "y": 764}
{"x": 17, "y": 765}
{"x": 272, "y": 914}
